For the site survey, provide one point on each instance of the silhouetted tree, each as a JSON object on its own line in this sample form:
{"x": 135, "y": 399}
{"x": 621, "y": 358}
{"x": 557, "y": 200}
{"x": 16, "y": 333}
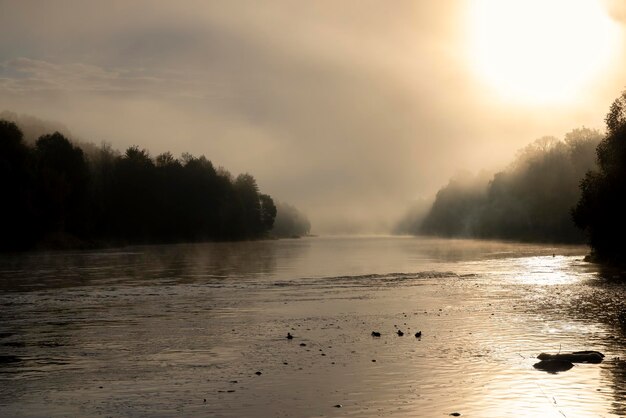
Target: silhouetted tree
{"x": 103, "y": 173}
{"x": 528, "y": 201}
{"x": 134, "y": 212}
{"x": 62, "y": 185}
{"x": 250, "y": 205}
{"x": 601, "y": 210}
{"x": 17, "y": 213}
{"x": 53, "y": 192}
{"x": 267, "y": 212}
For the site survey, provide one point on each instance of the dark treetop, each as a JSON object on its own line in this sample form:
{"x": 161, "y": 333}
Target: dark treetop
{"x": 57, "y": 196}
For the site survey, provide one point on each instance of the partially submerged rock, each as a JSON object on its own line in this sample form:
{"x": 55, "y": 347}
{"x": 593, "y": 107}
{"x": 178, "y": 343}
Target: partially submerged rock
{"x": 553, "y": 366}
{"x": 594, "y": 357}
{"x": 554, "y": 363}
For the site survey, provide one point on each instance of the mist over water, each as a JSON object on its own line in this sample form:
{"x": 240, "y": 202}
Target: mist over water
{"x": 157, "y": 330}
{"x": 224, "y": 173}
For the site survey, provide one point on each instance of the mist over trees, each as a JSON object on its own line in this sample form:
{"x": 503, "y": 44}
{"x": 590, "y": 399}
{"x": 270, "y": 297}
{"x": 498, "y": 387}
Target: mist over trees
{"x": 530, "y": 200}
{"x": 33, "y": 128}
{"x": 290, "y": 222}
{"x": 601, "y": 210}
{"x": 56, "y": 195}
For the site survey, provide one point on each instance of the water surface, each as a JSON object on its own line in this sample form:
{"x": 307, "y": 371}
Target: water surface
{"x": 181, "y": 330}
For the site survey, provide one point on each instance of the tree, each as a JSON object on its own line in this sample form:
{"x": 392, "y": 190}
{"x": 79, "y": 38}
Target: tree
{"x": 62, "y": 180}
{"x": 134, "y": 210}
{"x": 250, "y": 205}
{"x": 530, "y": 200}
{"x": 17, "y": 216}
{"x": 56, "y": 194}
{"x": 268, "y": 212}
{"x": 290, "y": 222}
{"x": 601, "y": 210}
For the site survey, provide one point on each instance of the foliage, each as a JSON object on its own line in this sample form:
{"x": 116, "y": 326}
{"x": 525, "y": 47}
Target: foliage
{"x": 290, "y": 222}
{"x": 17, "y": 213}
{"x": 530, "y": 200}
{"x": 602, "y": 205}
{"x": 54, "y": 189}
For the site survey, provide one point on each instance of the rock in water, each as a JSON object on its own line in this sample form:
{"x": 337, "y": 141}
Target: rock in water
{"x": 553, "y": 366}
{"x": 575, "y": 357}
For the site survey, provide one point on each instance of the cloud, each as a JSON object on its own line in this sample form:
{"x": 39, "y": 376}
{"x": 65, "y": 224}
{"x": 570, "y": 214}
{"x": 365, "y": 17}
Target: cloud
{"x": 31, "y": 76}
{"x": 346, "y": 109}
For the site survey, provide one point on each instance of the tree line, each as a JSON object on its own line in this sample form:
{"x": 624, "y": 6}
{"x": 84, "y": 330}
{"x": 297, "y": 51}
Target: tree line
{"x": 570, "y": 191}
{"x": 529, "y": 201}
{"x": 601, "y": 210}
{"x": 290, "y": 222}
{"x": 57, "y": 196}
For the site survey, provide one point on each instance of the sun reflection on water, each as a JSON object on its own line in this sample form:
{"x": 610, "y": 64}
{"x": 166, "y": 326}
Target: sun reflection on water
{"x": 198, "y": 324}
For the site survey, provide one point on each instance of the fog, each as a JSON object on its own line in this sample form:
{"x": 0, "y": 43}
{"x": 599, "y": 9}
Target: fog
{"x": 350, "y": 111}
{"x": 532, "y": 199}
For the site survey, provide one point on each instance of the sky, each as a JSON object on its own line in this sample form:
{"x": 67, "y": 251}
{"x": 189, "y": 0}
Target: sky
{"x": 349, "y": 110}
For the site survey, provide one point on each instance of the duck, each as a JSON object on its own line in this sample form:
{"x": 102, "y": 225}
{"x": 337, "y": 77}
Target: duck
{"x": 289, "y": 336}
{"x": 375, "y": 334}
{"x": 418, "y": 334}
{"x": 400, "y": 333}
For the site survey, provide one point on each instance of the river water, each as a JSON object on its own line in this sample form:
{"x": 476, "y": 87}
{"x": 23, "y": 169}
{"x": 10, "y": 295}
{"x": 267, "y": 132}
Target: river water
{"x": 182, "y": 330}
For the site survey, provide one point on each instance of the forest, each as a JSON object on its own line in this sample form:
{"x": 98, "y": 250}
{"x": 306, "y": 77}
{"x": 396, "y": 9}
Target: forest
{"x": 58, "y": 196}
{"x": 568, "y": 191}
{"x": 530, "y": 200}
{"x": 601, "y": 210}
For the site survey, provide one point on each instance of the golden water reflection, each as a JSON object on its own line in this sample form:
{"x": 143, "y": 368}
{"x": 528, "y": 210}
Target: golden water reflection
{"x": 157, "y": 330}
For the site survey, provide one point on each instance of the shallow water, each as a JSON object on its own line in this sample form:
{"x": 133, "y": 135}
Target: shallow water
{"x": 181, "y": 330}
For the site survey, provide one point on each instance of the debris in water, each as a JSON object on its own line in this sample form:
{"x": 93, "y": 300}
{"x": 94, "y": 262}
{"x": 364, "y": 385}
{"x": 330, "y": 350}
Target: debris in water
{"x": 575, "y": 357}
{"x": 553, "y": 366}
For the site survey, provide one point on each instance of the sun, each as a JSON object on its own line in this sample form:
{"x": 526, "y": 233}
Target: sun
{"x": 540, "y": 51}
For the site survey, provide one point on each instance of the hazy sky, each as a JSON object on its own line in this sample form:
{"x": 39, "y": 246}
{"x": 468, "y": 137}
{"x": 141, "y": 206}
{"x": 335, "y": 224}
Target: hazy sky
{"x": 347, "y": 109}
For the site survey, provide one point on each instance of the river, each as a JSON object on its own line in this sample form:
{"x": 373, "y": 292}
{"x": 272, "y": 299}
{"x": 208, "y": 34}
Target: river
{"x": 200, "y": 330}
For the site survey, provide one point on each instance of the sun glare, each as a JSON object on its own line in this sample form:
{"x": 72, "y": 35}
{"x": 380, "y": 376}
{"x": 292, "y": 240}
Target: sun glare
{"x": 539, "y": 51}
